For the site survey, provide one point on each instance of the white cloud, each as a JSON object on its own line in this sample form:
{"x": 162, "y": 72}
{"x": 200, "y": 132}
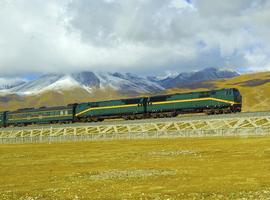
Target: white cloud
{"x": 148, "y": 36}
{"x": 257, "y": 58}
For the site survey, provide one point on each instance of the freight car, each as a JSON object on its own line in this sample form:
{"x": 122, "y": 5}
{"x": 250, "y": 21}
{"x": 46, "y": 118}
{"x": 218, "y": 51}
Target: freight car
{"x": 210, "y": 102}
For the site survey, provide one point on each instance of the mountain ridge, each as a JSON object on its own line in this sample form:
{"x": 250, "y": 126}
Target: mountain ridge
{"x": 125, "y": 83}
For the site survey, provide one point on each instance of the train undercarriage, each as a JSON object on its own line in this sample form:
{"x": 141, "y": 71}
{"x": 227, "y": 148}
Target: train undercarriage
{"x": 149, "y": 115}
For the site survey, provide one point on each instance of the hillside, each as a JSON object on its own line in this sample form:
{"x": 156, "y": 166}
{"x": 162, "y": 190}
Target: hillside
{"x": 56, "y": 98}
{"x": 255, "y": 89}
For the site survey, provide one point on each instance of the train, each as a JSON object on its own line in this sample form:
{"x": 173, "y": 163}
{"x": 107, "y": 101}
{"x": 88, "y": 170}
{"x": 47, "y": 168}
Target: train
{"x": 220, "y": 101}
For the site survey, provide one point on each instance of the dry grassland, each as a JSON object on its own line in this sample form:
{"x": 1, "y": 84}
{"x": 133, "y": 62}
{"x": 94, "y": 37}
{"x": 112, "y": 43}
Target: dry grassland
{"x": 204, "y": 168}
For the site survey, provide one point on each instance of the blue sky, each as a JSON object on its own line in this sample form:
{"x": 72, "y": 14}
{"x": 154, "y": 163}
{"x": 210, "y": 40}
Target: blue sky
{"x": 139, "y": 36}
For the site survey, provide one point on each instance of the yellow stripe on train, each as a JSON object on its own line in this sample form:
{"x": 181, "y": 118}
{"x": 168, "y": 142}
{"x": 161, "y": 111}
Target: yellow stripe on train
{"x": 39, "y": 117}
{"x": 157, "y": 103}
{"x": 105, "y": 107}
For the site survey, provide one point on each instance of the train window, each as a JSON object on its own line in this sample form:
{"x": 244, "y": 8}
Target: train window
{"x": 61, "y": 112}
{"x": 93, "y": 105}
{"x": 204, "y": 94}
{"x": 158, "y": 98}
{"x": 228, "y": 92}
{"x": 235, "y": 92}
{"x": 131, "y": 101}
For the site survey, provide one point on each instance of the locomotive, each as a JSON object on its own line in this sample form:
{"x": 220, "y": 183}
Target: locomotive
{"x": 222, "y": 101}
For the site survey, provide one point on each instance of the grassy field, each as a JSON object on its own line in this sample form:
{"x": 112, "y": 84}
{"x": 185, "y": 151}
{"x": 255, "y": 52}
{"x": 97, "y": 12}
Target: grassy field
{"x": 199, "y": 168}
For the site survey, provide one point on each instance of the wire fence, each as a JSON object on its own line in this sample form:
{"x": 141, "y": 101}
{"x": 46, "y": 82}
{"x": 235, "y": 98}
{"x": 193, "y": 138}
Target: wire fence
{"x": 243, "y": 132}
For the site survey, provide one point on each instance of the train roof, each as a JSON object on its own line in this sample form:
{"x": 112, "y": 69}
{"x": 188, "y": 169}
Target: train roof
{"x": 123, "y": 99}
{"x": 41, "y": 109}
{"x": 193, "y": 92}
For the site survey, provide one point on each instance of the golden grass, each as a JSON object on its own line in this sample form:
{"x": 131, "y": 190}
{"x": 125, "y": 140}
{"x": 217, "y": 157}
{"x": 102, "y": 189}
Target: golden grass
{"x": 204, "y": 168}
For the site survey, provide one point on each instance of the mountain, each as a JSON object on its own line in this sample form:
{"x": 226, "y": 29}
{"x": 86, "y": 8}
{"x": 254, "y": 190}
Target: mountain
{"x": 125, "y": 83}
{"x": 39, "y": 85}
{"x": 7, "y": 83}
{"x": 128, "y": 83}
{"x": 88, "y": 79}
{"x": 195, "y": 78}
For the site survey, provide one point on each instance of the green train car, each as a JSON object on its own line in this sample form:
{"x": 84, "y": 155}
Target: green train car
{"x": 3, "y": 119}
{"x": 210, "y": 102}
{"x": 123, "y": 108}
{"x": 41, "y": 115}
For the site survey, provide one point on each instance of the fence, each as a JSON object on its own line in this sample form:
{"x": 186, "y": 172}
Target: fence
{"x": 243, "y": 132}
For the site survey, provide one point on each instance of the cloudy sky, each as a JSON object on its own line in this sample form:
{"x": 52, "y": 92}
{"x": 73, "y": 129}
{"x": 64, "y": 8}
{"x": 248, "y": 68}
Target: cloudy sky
{"x": 140, "y": 36}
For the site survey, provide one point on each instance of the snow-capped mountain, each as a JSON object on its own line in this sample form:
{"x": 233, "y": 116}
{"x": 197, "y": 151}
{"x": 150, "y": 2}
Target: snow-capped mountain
{"x": 7, "y": 83}
{"x": 128, "y": 83}
{"x": 88, "y": 79}
{"x": 167, "y": 75}
{"x": 124, "y": 83}
{"x": 185, "y": 79}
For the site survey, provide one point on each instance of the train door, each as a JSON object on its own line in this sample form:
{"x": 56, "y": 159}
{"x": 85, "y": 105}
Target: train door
{"x": 145, "y": 101}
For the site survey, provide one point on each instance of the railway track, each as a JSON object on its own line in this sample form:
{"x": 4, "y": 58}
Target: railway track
{"x": 180, "y": 118}
{"x": 239, "y": 124}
